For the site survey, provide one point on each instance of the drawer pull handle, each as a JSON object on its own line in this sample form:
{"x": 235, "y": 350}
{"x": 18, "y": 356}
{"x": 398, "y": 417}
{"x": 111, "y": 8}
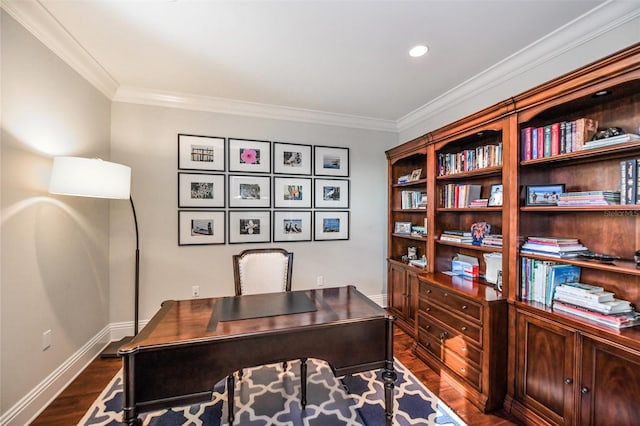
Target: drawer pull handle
{"x": 428, "y": 309}
{"x": 463, "y": 370}
{"x": 464, "y": 328}
{"x": 464, "y": 349}
{"x": 443, "y": 335}
{"x": 464, "y": 307}
{"x": 446, "y": 294}
{"x": 428, "y": 327}
{"x": 584, "y": 390}
{"x": 428, "y": 291}
{"x": 428, "y": 344}
{"x": 568, "y": 381}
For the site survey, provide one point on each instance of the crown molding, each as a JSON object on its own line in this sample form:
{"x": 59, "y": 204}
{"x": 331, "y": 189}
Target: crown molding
{"x": 251, "y": 109}
{"x": 35, "y": 17}
{"x": 581, "y": 30}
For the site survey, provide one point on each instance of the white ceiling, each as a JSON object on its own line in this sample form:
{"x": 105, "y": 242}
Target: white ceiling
{"x": 335, "y": 58}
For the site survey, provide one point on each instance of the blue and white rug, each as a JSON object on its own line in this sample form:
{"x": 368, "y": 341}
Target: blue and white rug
{"x": 267, "y": 395}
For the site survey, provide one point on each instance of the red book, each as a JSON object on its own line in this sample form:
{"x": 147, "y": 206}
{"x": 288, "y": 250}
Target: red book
{"x": 555, "y": 139}
{"x": 526, "y": 143}
{"x": 540, "y": 142}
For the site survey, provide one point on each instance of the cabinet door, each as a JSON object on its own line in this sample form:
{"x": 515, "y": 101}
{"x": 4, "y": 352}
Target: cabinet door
{"x": 610, "y": 385}
{"x": 412, "y": 295}
{"x": 397, "y": 291}
{"x": 545, "y": 364}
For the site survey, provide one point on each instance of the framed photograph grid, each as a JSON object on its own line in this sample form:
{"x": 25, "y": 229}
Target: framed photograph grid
{"x": 262, "y": 192}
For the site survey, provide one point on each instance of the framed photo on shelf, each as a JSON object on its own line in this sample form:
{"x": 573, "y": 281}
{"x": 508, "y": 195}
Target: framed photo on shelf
{"x": 291, "y": 159}
{"x": 249, "y": 227}
{"x": 331, "y": 225}
{"x": 331, "y": 161}
{"x": 415, "y": 175}
{"x": 291, "y": 226}
{"x": 290, "y": 192}
{"x": 251, "y": 156}
{"x": 331, "y": 193}
{"x": 543, "y": 195}
{"x": 495, "y": 195}
{"x": 200, "y": 190}
{"x": 402, "y": 228}
{"x": 200, "y": 227}
{"x": 249, "y": 191}
{"x": 200, "y": 153}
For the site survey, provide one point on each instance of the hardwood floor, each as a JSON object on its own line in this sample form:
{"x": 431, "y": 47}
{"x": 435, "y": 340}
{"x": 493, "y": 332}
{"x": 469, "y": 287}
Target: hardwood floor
{"x": 68, "y": 408}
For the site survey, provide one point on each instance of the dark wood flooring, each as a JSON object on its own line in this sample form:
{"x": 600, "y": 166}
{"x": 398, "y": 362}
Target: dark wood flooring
{"x": 69, "y": 407}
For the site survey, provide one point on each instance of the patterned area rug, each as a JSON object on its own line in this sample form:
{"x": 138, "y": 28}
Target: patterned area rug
{"x": 267, "y": 395}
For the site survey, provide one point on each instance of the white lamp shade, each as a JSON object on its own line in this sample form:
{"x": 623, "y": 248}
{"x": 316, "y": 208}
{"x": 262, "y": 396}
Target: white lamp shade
{"x": 90, "y": 177}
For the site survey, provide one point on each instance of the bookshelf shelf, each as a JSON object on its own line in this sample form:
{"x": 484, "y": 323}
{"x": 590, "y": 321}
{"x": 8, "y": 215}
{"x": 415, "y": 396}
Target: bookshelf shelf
{"x": 469, "y": 209}
{"x": 469, "y": 246}
{"x": 614, "y": 207}
{"x": 626, "y": 267}
{"x": 479, "y": 173}
{"x": 409, "y": 237}
{"x": 412, "y": 184}
{"x": 587, "y": 155}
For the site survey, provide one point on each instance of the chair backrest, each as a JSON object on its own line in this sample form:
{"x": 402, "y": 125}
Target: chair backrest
{"x": 258, "y": 271}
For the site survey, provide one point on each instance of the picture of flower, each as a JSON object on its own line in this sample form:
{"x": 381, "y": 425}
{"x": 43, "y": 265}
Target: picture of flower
{"x": 249, "y": 226}
{"x": 249, "y": 156}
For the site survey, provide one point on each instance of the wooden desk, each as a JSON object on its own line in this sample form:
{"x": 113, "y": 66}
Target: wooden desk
{"x": 186, "y": 349}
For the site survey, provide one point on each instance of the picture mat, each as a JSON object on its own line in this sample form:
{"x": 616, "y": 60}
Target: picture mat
{"x": 284, "y": 164}
{"x": 263, "y": 148}
{"x": 302, "y": 185}
{"x": 280, "y": 232}
{"x": 240, "y": 185}
{"x": 186, "y": 220}
{"x": 331, "y": 161}
{"x": 321, "y": 193}
{"x": 211, "y": 152}
{"x": 324, "y": 221}
{"x": 240, "y": 232}
{"x": 186, "y": 183}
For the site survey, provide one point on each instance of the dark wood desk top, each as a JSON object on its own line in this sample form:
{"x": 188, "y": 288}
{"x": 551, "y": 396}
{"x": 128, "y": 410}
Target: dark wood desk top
{"x": 188, "y": 321}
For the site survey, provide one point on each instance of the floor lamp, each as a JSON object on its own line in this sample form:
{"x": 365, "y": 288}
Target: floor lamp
{"x": 90, "y": 177}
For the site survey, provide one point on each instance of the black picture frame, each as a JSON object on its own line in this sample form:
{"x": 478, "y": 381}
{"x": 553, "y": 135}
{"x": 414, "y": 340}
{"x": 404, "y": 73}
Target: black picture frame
{"x": 292, "y": 159}
{"x": 249, "y": 155}
{"x": 543, "y": 195}
{"x": 249, "y": 226}
{"x": 201, "y": 190}
{"x": 331, "y": 161}
{"x": 201, "y": 227}
{"x": 292, "y": 226}
{"x": 196, "y": 152}
{"x": 402, "y": 228}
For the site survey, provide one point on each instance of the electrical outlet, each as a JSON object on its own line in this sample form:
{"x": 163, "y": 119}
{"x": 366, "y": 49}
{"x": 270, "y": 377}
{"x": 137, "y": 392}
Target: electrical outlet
{"x": 46, "y": 340}
{"x": 195, "y": 291}
{"x": 320, "y": 281}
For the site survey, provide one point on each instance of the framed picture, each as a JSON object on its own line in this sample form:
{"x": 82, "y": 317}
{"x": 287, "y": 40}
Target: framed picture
{"x": 289, "y": 192}
{"x": 249, "y": 227}
{"x": 249, "y": 191}
{"x": 543, "y": 195}
{"x": 402, "y": 228}
{"x": 200, "y": 152}
{"x": 200, "y": 227}
{"x": 200, "y": 190}
{"x": 291, "y": 226}
{"x": 291, "y": 159}
{"x": 331, "y": 193}
{"x": 330, "y": 161}
{"x": 495, "y": 195}
{"x": 247, "y": 155}
{"x": 415, "y": 175}
{"x": 331, "y": 225}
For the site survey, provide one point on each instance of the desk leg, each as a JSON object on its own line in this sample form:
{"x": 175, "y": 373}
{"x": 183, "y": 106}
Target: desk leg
{"x": 303, "y": 382}
{"x": 130, "y": 414}
{"x": 231, "y": 385}
{"x": 389, "y": 375}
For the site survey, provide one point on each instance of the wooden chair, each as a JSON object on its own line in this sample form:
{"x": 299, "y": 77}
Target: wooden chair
{"x": 257, "y": 271}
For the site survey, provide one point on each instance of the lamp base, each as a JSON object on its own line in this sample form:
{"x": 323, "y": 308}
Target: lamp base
{"x": 111, "y": 351}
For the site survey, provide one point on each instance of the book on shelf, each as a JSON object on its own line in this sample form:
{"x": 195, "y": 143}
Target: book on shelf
{"x": 540, "y": 278}
{"x": 492, "y": 240}
{"x": 480, "y": 202}
{"x": 589, "y": 198}
{"x": 629, "y": 185}
{"x": 592, "y": 296}
{"x": 554, "y": 247}
{"x": 421, "y": 263}
{"x": 457, "y": 232}
{"x": 556, "y": 138}
{"x": 617, "y": 321}
{"x": 615, "y": 306}
{"x": 470, "y": 159}
{"x": 614, "y": 140}
{"x": 413, "y": 199}
{"x": 460, "y": 195}
{"x": 462, "y": 239}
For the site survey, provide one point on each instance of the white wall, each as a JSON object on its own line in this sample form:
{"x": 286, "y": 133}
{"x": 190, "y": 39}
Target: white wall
{"x": 145, "y": 138}
{"x": 54, "y": 263}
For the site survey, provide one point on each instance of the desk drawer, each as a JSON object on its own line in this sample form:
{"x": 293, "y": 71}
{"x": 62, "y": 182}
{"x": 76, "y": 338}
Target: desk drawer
{"x": 429, "y": 336}
{"x": 465, "y": 328}
{"x": 462, "y": 305}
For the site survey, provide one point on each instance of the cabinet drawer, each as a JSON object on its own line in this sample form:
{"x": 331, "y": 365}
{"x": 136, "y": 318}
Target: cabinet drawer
{"x": 462, "y": 305}
{"x": 429, "y": 338}
{"x": 462, "y": 366}
{"x": 468, "y": 329}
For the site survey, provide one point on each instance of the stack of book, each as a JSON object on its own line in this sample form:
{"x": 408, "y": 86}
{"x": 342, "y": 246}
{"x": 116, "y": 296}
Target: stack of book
{"x": 614, "y": 140}
{"x": 557, "y": 138}
{"x": 480, "y": 202}
{"x": 629, "y": 188}
{"x": 455, "y": 236}
{"x": 414, "y": 200}
{"x": 593, "y": 303}
{"x": 492, "y": 241}
{"x": 470, "y": 159}
{"x": 540, "y": 278}
{"x": 553, "y": 247}
{"x": 589, "y": 198}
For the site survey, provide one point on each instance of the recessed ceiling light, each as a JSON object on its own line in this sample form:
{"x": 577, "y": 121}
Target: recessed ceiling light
{"x": 418, "y": 51}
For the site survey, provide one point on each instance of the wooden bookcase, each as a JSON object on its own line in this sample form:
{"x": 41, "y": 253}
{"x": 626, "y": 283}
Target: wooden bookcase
{"x": 543, "y": 366}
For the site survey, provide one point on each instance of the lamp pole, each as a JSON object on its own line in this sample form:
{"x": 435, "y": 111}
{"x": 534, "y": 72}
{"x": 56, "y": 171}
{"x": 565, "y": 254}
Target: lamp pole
{"x": 137, "y": 276}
